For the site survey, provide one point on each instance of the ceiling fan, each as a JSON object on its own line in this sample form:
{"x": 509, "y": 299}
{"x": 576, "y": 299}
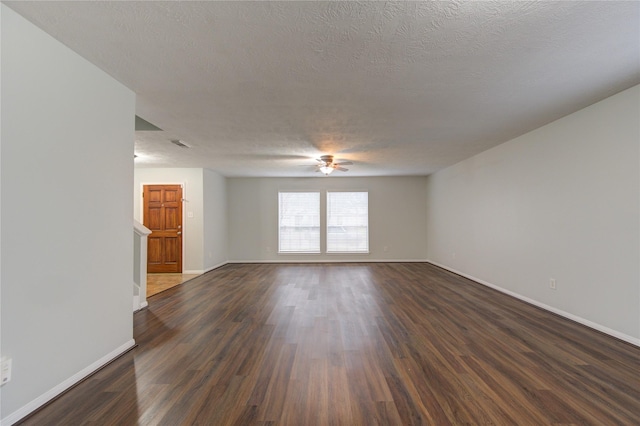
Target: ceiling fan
{"x": 327, "y": 165}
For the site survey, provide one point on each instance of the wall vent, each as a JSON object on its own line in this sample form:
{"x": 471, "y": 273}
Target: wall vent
{"x": 179, "y": 143}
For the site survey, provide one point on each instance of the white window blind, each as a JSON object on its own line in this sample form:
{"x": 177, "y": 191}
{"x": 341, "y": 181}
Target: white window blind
{"x": 347, "y": 222}
{"x": 299, "y": 222}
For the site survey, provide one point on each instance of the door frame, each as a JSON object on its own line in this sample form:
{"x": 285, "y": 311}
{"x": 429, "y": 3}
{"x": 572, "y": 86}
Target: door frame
{"x": 184, "y": 213}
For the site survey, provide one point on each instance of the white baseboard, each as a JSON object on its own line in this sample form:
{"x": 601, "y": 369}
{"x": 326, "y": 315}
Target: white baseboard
{"x": 219, "y": 265}
{"x": 57, "y": 390}
{"x": 137, "y": 306}
{"x": 204, "y": 271}
{"x": 580, "y": 320}
{"x": 364, "y": 260}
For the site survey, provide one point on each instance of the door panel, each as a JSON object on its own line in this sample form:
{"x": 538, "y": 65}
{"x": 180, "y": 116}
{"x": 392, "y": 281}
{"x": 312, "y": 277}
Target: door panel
{"x": 171, "y": 219}
{"x": 163, "y": 216}
{"x": 155, "y": 195}
{"x": 155, "y": 220}
{"x": 172, "y": 250}
{"x": 154, "y": 251}
{"x": 170, "y": 196}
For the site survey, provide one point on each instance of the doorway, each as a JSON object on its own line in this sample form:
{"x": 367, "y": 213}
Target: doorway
{"x": 162, "y": 214}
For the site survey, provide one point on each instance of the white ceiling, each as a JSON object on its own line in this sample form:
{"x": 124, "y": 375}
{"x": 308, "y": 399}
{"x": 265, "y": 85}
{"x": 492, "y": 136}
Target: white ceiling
{"x": 406, "y": 88}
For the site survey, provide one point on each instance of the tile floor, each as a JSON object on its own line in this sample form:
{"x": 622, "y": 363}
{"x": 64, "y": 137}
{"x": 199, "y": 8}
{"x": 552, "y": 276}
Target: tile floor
{"x": 161, "y": 282}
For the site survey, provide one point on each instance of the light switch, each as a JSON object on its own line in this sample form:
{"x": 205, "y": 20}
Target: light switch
{"x": 189, "y": 214}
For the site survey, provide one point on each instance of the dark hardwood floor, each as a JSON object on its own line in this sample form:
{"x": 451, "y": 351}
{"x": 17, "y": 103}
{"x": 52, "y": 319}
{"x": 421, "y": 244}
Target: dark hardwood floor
{"x": 354, "y": 344}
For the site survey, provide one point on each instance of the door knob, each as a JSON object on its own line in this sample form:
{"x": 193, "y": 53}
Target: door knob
{"x": 179, "y": 233}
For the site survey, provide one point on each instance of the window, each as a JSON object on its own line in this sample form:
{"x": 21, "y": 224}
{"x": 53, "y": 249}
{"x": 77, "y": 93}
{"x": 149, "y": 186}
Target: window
{"x": 347, "y": 222}
{"x": 299, "y": 222}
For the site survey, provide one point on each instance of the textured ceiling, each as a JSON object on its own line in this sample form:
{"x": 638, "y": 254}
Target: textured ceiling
{"x": 399, "y": 88}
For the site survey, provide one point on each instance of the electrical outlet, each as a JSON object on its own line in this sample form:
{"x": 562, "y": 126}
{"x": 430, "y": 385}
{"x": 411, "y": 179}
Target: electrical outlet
{"x": 5, "y": 370}
{"x": 385, "y": 248}
{"x": 552, "y": 283}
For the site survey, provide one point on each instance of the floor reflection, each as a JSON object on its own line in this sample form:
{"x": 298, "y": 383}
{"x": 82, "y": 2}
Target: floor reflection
{"x": 110, "y": 396}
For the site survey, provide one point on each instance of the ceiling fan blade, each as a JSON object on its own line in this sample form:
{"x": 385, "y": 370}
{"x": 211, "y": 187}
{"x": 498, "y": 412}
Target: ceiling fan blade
{"x": 344, "y": 163}
{"x": 342, "y": 169}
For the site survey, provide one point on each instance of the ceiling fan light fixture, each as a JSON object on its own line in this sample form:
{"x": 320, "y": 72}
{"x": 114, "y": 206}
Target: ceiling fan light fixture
{"x": 326, "y": 169}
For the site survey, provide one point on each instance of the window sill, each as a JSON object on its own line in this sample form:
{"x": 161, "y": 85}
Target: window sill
{"x": 339, "y": 253}
{"x": 299, "y": 252}
{"x": 347, "y": 252}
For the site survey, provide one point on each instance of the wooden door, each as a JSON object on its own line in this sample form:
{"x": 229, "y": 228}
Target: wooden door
{"x": 163, "y": 216}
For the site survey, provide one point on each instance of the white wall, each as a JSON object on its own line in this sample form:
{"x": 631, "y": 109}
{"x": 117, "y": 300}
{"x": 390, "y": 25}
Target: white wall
{"x": 192, "y": 235}
{"x": 397, "y": 209}
{"x": 66, "y": 173}
{"x": 559, "y": 202}
{"x": 215, "y": 219}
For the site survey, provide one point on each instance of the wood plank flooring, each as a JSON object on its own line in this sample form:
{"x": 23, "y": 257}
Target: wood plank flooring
{"x": 354, "y": 344}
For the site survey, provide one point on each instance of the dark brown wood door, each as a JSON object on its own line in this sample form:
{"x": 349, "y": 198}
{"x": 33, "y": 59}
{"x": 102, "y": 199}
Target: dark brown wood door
{"x": 163, "y": 216}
